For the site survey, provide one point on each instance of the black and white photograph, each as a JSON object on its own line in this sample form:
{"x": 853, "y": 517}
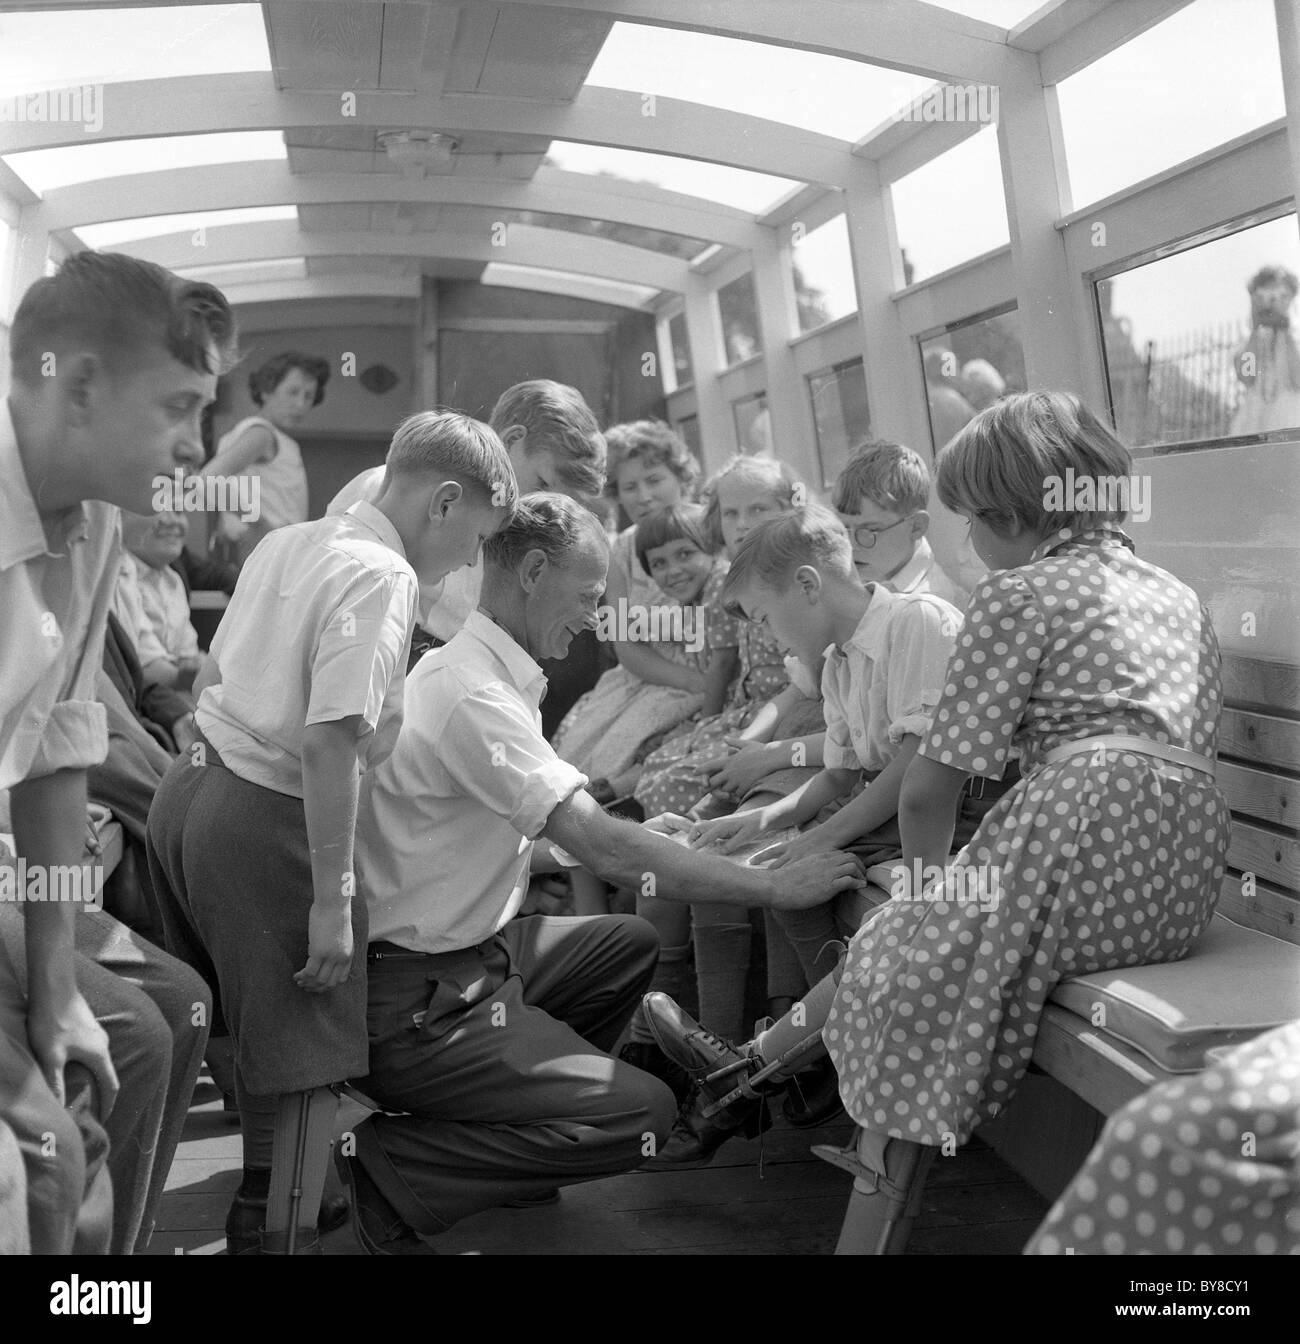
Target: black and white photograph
{"x": 650, "y": 628}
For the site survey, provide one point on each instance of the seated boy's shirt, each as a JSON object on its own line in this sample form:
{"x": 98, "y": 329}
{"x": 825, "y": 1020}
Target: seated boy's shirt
{"x": 165, "y": 605}
{"x": 57, "y": 575}
{"x": 887, "y": 679}
{"x": 924, "y": 574}
{"x": 318, "y": 630}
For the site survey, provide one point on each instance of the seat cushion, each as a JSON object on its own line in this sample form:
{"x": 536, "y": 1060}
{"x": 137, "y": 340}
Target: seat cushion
{"x": 1236, "y": 984}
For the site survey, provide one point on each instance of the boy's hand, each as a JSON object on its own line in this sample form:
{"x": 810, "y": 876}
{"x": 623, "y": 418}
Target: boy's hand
{"x": 67, "y": 1033}
{"x": 668, "y": 823}
{"x": 815, "y": 880}
{"x": 728, "y": 834}
{"x": 739, "y": 772}
{"x": 329, "y": 947}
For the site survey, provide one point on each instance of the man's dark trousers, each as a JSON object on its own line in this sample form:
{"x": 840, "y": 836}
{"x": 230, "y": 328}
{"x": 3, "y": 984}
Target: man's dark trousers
{"x": 499, "y": 1054}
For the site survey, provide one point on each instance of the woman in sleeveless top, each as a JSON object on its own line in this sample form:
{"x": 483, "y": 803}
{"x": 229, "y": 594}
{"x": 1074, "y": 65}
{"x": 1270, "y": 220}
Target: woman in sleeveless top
{"x": 285, "y": 388}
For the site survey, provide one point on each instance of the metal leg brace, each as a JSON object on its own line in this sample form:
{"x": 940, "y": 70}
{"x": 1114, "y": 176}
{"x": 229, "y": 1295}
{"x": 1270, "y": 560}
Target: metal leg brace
{"x": 750, "y": 1085}
{"x": 888, "y": 1182}
{"x": 304, "y": 1126}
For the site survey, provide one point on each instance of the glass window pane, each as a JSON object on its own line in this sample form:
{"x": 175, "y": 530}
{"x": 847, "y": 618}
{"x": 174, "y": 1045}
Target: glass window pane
{"x": 1199, "y": 345}
{"x": 827, "y": 94}
{"x": 1005, "y": 13}
{"x": 738, "y": 311}
{"x": 967, "y": 368}
{"x": 47, "y": 169}
{"x": 823, "y": 275}
{"x": 97, "y": 46}
{"x": 6, "y": 270}
{"x": 563, "y": 282}
{"x": 680, "y": 340}
{"x": 120, "y": 231}
{"x": 693, "y": 177}
{"x": 753, "y": 425}
{"x": 970, "y": 173}
{"x": 1205, "y": 75}
{"x": 841, "y": 415}
{"x": 688, "y": 426}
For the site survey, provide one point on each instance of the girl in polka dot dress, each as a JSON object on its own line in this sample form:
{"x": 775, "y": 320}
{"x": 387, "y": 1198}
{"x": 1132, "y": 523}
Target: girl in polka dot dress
{"x": 746, "y": 491}
{"x": 1103, "y": 671}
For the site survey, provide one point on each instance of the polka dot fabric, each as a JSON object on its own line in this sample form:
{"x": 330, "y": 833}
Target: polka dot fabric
{"x": 1089, "y": 864}
{"x": 670, "y": 781}
{"x": 1204, "y": 1165}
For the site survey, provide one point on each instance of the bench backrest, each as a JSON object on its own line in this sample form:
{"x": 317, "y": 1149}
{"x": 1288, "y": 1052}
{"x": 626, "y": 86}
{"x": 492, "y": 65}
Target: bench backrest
{"x": 1259, "y": 771}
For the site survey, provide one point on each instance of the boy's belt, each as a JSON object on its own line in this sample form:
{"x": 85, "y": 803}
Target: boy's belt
{"x": 1142, "y": 746}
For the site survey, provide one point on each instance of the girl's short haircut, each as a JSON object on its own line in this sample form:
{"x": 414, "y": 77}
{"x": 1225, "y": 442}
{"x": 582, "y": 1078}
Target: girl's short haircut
{"x": 652, "y": 443}
{"x": 767, "y": 472}
{"x": 120, "y": 308}
{"x": 681, "y": 522}
{"x": 889, "y": 475}
{"x": 769, "y": 555}
{"x": 557, "y": 420}
{"x": 1003, "y": 464}
{"x": 267, "y": 377}
{"x": 542, "y": 521}
{"x": 455, "y": 447}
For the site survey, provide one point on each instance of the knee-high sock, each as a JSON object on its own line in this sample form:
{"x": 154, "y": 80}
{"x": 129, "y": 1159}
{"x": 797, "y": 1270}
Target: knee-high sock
{"x": 257, "y": 1121}
{"x": 723, "y": 939}
{"x": 785, "y": 976}
{"x": 815, "y": 936}
{"x": 672, "y": 977}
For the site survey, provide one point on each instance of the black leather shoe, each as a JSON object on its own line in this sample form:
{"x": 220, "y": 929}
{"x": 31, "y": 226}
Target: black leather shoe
{"x": 246, "y": 1217}
{"x": 813, "y": 1096}
{"x": 649, "y": 1058}
{"x": 379, "y": 1228}
{"x": 696, "y": 1137}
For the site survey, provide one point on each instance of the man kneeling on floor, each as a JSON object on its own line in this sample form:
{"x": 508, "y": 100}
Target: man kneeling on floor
{"x": 490, "y": 1031}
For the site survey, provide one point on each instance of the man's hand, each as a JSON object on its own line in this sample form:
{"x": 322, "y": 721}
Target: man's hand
{"x": 728, "y": 834}
{"x": 815, "y": 880}
{"x": 329, "y": 947}
{"x": 810, "y": 842}
{"x": 736, "y": 774}
{"x": 62, "y": 1033}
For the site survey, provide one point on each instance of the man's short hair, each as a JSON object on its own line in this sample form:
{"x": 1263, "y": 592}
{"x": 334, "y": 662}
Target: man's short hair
{"x": 118, "y": 307}
{"x": 542, "y": 521}
{"x": 680, "y": 522}
{"x": 456, "y": 447}
{"x": 770, "y": 554}
{"x": 557, "y": 420}
{"x": 889, "y": 475}
{"x": 267, "y": 377}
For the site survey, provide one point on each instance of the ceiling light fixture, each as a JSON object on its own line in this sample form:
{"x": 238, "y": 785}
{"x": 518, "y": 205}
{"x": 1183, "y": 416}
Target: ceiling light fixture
{"x": 415, "y": 152}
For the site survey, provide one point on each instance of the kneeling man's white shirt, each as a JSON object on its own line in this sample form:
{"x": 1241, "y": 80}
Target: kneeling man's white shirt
{"x": 446, "y": 823}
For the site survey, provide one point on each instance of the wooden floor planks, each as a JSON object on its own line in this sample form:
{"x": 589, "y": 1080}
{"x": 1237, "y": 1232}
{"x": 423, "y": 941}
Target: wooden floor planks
{"x": 974, "y": 1204}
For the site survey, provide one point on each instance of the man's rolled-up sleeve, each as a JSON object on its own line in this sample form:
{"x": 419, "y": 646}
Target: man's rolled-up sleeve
{"x": 494, "y": 752}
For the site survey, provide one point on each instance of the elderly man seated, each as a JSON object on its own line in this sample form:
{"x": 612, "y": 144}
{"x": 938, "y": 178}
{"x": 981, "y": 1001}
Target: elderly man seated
{"x": 491, "y": 1032}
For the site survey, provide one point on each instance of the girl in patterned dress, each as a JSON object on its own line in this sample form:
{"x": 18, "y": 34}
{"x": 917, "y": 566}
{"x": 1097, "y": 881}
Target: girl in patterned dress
{"x": 743, "y": 493}
{"x": 1104, "y": 672}
{"x": 655, "y": 687}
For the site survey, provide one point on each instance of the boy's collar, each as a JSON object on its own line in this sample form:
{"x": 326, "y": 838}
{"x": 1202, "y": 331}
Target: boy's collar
{"x": 912, "y": 574}
{"x": 26, "y": 532}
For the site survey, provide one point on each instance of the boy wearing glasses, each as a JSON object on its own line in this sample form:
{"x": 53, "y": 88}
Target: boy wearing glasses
{"x": 881, "y": 498}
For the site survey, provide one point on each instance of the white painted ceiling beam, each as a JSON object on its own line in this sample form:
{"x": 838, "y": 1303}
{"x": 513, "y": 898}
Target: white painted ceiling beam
{"x": 524, "y": 245}
{"x": 197, "y": 104}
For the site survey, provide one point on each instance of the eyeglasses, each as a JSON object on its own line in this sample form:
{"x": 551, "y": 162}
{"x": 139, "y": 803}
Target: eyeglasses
{"x": 866, "y": 535}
